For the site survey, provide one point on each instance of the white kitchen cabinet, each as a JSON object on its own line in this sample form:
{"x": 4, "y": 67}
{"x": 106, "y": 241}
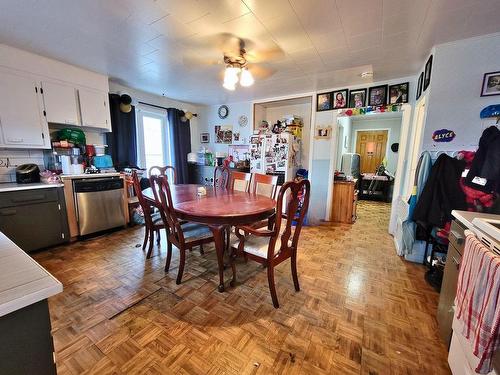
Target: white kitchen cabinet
{"x": 23, "y": 124}
{"x": 94, "y": 108}
{"x": 61, "y": 104}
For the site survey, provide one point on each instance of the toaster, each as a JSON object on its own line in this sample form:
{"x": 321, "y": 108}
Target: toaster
{"x": 27, "y": 174}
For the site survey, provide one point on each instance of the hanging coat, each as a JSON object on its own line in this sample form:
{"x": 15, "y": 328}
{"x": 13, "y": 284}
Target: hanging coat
{"x": 441, "y": 194}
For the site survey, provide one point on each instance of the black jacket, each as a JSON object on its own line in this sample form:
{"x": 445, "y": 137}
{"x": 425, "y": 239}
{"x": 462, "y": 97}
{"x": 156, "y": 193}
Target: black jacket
{"x": 486, "y": 163}
{"x": 441, "y": 194}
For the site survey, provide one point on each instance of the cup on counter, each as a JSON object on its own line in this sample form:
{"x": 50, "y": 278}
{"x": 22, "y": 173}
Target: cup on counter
{"x": 77, "y": 168}
{"x": 66, "y": 164}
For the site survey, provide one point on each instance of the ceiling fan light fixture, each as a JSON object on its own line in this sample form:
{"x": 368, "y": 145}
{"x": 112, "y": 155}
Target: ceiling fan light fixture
{"x": 246, "y": 78}
{"x": 231, "y": 75}
{"x": 229, "y": 86}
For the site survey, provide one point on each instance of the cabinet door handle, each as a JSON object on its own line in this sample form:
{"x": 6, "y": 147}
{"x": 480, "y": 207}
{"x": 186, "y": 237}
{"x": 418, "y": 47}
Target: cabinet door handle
{"x": 15, "y": 140}
{"x": 460, "y": 239}
{"x": 71, "y": 122}
{"x": 8, "y": 212}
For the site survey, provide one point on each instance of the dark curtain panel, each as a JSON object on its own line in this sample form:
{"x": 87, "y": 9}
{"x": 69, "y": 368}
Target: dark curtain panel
{"x": 122, "y": 141}
{"x": 180, "y": 133}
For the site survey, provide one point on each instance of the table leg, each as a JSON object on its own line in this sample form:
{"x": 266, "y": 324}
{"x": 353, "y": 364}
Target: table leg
{"x": 219, "y": 232}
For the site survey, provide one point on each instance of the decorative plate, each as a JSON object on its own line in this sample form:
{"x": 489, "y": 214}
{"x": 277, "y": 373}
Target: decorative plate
{"x": 243, "y": 121}
{"x": 223, "y": 111}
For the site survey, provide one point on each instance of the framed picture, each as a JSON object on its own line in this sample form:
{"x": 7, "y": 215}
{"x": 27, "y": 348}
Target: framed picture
{"x": 419, "y": 86}
{"x": 377, "y": 95}
{"x": 491, "y": 84}
{"x": 340, "y": 98}
{"x": 357, "y": 98}
{"x": 205, "y": 138}
{"x": 399, "y": 93}
{"x": 324, "y": 102}
{"x": 224, "y": 134}
{"x": 427, "y": 76}
{"x": 323, "y": 132}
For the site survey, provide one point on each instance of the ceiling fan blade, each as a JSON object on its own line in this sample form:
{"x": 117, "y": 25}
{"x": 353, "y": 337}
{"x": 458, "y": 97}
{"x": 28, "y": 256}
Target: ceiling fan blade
{"x": 258, "y": 56}
{"x": 261, "y": 72}
{"x": 193, "y": 62}
{"x": 226, "y": 43}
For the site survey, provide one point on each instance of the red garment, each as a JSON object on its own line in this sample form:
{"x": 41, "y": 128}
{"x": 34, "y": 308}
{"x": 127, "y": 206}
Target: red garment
{"x": 476, "y": 200}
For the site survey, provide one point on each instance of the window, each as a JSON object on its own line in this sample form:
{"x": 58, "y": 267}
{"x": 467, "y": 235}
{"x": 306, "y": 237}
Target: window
{"x": 153, "y": 140}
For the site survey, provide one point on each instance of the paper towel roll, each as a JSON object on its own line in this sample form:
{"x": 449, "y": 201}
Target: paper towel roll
{"x": 66, "y": 164}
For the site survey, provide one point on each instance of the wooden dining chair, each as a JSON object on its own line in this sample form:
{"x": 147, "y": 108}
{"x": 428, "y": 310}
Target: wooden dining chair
{"x": 152, "y": 221}
{"x": 222, "y": 175}
{"x": 183, "y": 235}
{"x": 240, "y": 181}
{"x": 264, "y": 184}
{"x": 164, "y": 171}
{"x": 270, "y": 247}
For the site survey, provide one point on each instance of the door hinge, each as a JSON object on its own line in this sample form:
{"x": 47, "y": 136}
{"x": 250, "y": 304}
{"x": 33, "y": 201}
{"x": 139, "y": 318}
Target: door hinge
{"x": 43, "y": 136}
{"x": 45, "y": 113}
{"x": 41, "y": 90}
{"x": 36, "y": 89}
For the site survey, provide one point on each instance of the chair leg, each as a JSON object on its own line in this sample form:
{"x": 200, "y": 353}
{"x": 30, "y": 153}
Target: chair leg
{"x": 294, "y": 271}
{"x": 182, "y": 261}
{"x": 151, "y": 242}
{"x": 272, "y": 286}
{"x": 169, "y": 256}
{"x": 201, "y": 249}
{"x": 232, "y": 260}
{"x": 146, "y": 236}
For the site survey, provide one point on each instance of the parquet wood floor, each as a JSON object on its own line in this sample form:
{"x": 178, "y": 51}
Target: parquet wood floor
{"x": 362, "y": 309}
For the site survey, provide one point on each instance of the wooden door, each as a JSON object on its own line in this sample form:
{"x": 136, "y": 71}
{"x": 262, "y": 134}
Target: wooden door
{"x": 371, "y": 145}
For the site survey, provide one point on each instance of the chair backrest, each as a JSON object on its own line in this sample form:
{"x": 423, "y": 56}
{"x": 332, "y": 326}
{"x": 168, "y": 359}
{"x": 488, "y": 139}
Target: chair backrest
{"x": 164, "y": 171}
{"x": 296, "y": 206}
{"x": 146, "y": 208}
{"x": 222, "y": 175}
{"x": 161, "y": 188}
{"x": 264, "y": 184}
{"x": 240, "y": 181}
{"x": 156, "y": 187}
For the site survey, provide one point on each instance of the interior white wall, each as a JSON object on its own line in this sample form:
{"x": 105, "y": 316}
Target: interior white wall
{"x": 454, "y": 99}
{"x": 393, "y": 125}
{"x": 163, "y": 101}
{"x": 345, "y": 143}
{"x": 273, "y": 114}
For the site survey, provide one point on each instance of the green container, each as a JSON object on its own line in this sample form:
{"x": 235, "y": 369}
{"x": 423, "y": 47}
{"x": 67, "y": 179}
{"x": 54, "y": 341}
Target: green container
{"x": 75, "y": 136}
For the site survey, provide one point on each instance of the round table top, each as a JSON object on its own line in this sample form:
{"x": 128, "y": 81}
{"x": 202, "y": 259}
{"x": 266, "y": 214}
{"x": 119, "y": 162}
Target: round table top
{"x": 218, "y": 206}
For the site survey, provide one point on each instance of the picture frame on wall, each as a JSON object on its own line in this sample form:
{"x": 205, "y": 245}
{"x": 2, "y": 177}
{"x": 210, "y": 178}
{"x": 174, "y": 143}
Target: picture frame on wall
{"x": 223, "y": 134}
{"x": 204, "y": 137}
{"x": 377, "y": 95}
{"x": 324, "y": 102}
{"x": 357, "y": 98}
{"x": 419, "y": 85}
{"x": 491, "y": 84}
{"x": 340, "y": 98}
{"x": 398, "y": 93}
{"x": 427, "y": 73}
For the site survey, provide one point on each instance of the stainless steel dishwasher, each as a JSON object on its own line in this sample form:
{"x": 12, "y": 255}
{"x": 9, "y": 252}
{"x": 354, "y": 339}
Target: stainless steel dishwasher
{"x": 99, "y": 204}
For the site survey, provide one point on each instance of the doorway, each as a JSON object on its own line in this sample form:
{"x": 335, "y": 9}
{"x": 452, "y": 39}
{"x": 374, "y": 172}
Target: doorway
{"x": 371, "y": 146}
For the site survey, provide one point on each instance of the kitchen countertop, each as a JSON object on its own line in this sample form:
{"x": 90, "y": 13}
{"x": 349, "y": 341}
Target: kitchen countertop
{"x": 4, "y": 187}
{"x": 466, "y": 217}
{"x": 22, "y": 280}
{"x": 89, "y": 175}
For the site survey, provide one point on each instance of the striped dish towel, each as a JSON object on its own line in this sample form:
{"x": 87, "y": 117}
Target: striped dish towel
{"x": 477, "y": 300}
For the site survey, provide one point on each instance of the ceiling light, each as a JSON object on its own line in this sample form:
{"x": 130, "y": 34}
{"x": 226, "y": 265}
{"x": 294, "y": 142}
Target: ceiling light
{"x": 246, "y": 78}
{"x": 366, "y": 74}
{"x": 229, "y": 86}
{"x": 231, "y": 75}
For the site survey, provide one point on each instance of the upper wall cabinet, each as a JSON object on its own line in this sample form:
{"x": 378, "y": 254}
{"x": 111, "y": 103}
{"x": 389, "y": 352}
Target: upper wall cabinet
{"x": 22, "y": 122}
{"x": 61, "y": 104}
{"x": 94, "y": 108}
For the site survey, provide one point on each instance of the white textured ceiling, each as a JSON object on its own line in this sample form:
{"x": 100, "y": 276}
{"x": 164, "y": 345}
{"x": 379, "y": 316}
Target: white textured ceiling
{"x": 327, "y": 43}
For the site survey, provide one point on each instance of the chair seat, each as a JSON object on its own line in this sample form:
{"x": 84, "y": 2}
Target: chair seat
{"x": 258, "y": 246}
{"x": 194, "y": 232}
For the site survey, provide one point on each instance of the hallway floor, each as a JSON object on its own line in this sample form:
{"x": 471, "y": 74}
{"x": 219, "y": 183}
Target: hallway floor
{"x": 361, "y": 310}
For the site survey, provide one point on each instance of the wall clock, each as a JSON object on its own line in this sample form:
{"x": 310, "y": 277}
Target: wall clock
{"x": 223, "y": 111}
{"x": 243, "y": 121}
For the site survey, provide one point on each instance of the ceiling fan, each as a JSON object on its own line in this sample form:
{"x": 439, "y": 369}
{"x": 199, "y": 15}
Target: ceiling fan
{"x": 242, "y": 60}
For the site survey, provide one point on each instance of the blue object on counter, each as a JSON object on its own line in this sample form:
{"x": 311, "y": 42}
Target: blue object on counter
{"x": 103, "y": 161}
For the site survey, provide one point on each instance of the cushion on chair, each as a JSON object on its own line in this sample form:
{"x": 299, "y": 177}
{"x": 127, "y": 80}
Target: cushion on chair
{"x": 194, "y": 231}
{"x": 258, "y": 245}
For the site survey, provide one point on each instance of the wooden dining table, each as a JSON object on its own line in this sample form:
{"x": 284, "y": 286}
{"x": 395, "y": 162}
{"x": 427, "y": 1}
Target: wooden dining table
{"x": 218, "y": 209}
